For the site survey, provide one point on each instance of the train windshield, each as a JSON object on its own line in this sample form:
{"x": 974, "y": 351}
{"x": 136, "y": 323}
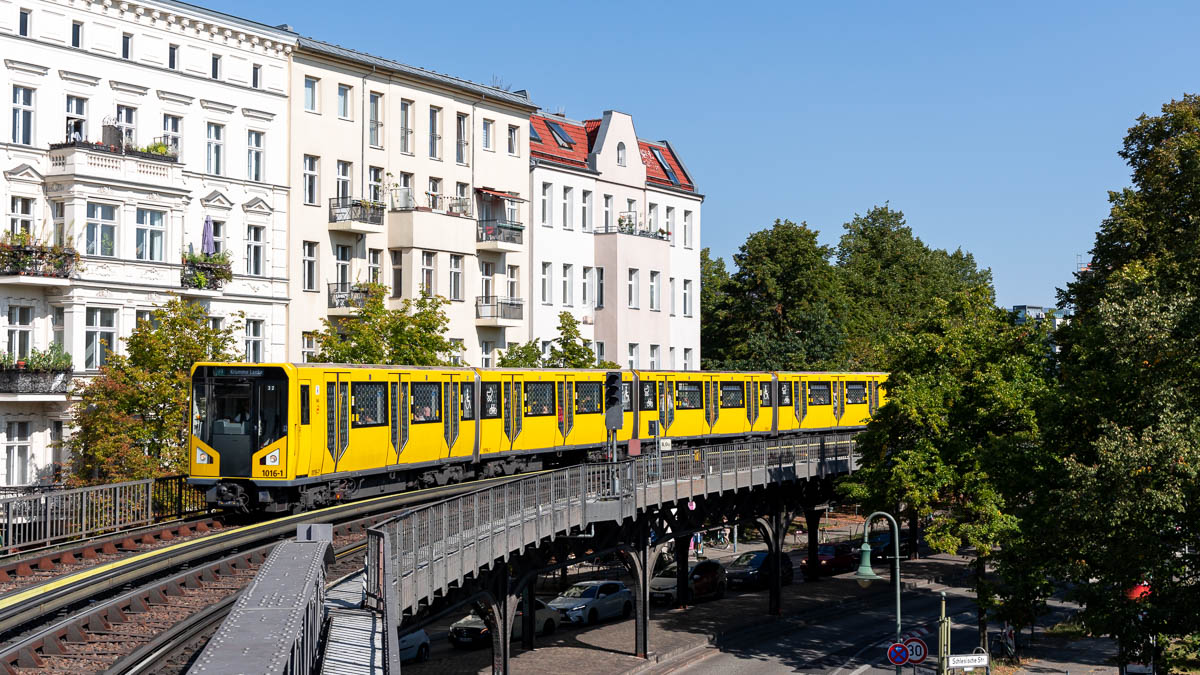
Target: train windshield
{"x": 237, "y": 411}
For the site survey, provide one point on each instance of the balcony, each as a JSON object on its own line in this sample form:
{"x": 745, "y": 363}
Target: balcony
{"x": 433, "y": 221}
{"x": 156, "y": 164}
{"x": 205, "y": 275}
{"x": 23, "y": 261}
{"x": 499, "y": 235}
{"x": 627, "y": 223}
{"x": 360, "y": 216}
{"x": 43, "y": 375}
{"x": 345, "y": 297}
{"x": 497, "y": 312}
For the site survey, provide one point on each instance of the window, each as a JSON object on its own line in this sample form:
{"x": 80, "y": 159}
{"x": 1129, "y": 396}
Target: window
{"x": 653, "y": 357}
{"x": 58, "y": 322}
{"x": 427, "y": 266}
{"x": 215, "y": 323}
{"x": 76, "y": 118}
{"x": 547, "y": 192}
{"x": 20, "y": 330}
{"x": 568, "y": 207}
{"x": 22, "y": 115}
{"x": 585, "y": 295}
{"x": 599, "y": 352}
{"x": 608, "y": 209}
{"x": 310, "y": 180}
{"x": 16, "y": 446}
{"x": 819, "y": 393}
{"x": 254, "y": 156}
{"x": 435, "y": 190}
{"x": 671, "y": 358}
{"x": 308, "y": 354}
{"x": 620, "y": 154}
{"x": 547, "y": 271}
{"x": 375, "y": 113}
{"x": 375, "y": 265}
{"x": 560, "y": 135}
{"x": 150, "y": 234}
{"x": 486, "y": 349}
{"x": 733, "y": 395}
{"x": 58, "y": 215}
{"x": 254, "y": 340}
{"x": 585, "y": 221}
{"x": 310, "y": 94}
{"x": 689, "y": 396}
{"x": 687, "y": 229}
{"x": 375, "y": 183}
{"x": 370, "y": 404}
{"x": 687, "y": 358}
{"x": 456, "y": 273}
{"x": 308, "y": 265}
{"x": 77, "y": 35}
{"x": 665, "y": 167}
{"x": 599, "y": 287}
{"x": 633, "y": 288}
{"x": 149, "y": 317}
{"x": 397, "y": 274}
{"x": 216, "y": 148}
{"x": 254, "y": 250}
{"x": 539, "y": 399}
{"x": 671, "y": 290}
{"x": 488, "y": 129}
{"x": 127, "y": 46}
{"x": 655, "y": 289}
{"x": 23, "y": 21}
{"x": 671, "y": 224}
{"x": 101, "y": 229}
{"x": 216, "y": 67}
{"x": 343, "y": 102}
{"x": 633, "y": 355}
{"x": 172, "y": 133}
{"x": 456, "y": 350}
{"x": 460, "y": 139}
{"x": 342, "y": 258}
{"x": 514, "y": 140}
{"x": 435, "y": 136}
{"x": 487, "y": 272}
{"x": 546, "y": 348}
{"x": 426, "y": 402}
{"x": 568, "y": 280}
{"x": 687, "y": 297}
{"x": 406, "y": 127}
{"x": 20, "y": 219}
{"x": 256, "y": 76}
{"x": 652, "y": 216}
{"x": 856, "y": 393}
{"x": 219, "y": 235}
{"x": 126, "y": 117}
{"x": 343, "y": 179}
{"x": 100, "y": 336}
{"x": 533, "y": 133}
{"x": 514, "y": 281}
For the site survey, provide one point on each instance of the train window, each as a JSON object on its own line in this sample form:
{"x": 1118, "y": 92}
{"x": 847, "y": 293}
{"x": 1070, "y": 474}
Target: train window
{"x": 733, "y": 395}
{"x": 818, "y": 393}
{"x": 764, "y": 393}
{"x": 330, "y": 418}
{"x": 370, "y": 404}
{"x": 272, "y": 411}
{"x": 304, "y": 404}
{"x": 426, "y": 402}
{"x": 649, "y": 396}
{"x": 689, "y": 396}
{"x": 468, "y": 400}
{"x": 539, "y": 399}
{"x": 856, "y": 393}
{"x": 589, "y": 397}
{"x": 785, "y": 393}
{"x": 627, "y": 396}
{"x": 491, "y": 401}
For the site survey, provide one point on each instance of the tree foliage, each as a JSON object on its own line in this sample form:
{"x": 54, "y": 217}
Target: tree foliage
{"x": 413, "y": 334}
{"x": 568, "y": 350}
{"x": 131, "y": 421}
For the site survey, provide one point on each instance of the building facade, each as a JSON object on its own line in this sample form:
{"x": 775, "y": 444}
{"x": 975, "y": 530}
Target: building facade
{"x": 131, "y": 124}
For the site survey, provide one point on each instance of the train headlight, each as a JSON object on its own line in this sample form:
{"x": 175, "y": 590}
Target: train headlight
{"x": 271, "y": 459}
{"x": 203, "y": 457}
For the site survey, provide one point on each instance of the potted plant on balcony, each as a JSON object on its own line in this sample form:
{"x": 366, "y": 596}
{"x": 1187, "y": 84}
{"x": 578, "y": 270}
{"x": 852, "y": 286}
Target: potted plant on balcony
{"x": 206, "y": 271}
{"x": 22, "y": 254}
{"x": 45, "y": 371}
{"x": 625, "y": 224}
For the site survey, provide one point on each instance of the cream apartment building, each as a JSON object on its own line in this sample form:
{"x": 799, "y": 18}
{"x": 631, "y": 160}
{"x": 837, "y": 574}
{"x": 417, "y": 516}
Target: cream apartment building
{"x": 408, "y": 178}
{"x": 131, "y": 123}
{"x": 615, "y": 241}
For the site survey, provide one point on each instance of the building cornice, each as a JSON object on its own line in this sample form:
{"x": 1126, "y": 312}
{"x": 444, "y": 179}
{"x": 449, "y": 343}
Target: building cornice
{"x": 24, "y": 67}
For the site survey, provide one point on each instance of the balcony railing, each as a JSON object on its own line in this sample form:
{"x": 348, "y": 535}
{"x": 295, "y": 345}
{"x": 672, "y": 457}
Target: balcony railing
{"x": 458, "y": 206}
{"x": 14, "y": 381}
{"x": 343, "y": 209}
{"x": 162, "y": 149}
{"x": 346, "y": 294}
{"x": 626, "y": 225}
{"x": 500, "y": 230}
{"x": 495, "y": 307}
{"x": 36, "y": 260}
{"x": 206, "y": 275}
{"x": 402, "y": 199}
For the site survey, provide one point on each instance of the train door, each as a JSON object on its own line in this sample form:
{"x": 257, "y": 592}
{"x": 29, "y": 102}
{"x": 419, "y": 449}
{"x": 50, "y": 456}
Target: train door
{"x": 337, "y": 419}
{"x": 303, "y": 430}
{"x": 565, "y": 393}
{"x": 450, "y": 412}
{"x": 398, "y": 395}
{"x": 838, "y": 388}
{"x": 666, "y": 404}
{"x": 513, "y": 406}
{"x": 712, "y": 403}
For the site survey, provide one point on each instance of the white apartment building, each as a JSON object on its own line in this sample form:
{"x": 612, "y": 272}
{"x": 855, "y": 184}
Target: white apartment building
{"x": 408, "y": 178}
{"x": 615, "y": 240}
{"x": 130, "y": 123}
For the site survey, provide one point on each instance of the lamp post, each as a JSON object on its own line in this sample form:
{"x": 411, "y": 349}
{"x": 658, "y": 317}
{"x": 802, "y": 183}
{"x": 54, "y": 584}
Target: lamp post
{"x": 865, "y": 574}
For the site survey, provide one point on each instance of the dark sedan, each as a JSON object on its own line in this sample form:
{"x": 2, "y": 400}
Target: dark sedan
{"x": 750, "y": 570}
{"x": 836, "y": 558}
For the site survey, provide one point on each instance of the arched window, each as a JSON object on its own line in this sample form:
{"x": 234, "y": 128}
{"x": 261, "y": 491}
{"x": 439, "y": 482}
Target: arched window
{"x": 620, "y": 154}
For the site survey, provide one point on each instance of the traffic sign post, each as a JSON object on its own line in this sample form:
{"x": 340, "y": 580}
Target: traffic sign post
{"x": 917, "y": 650}
{"x": 897, "y": 653}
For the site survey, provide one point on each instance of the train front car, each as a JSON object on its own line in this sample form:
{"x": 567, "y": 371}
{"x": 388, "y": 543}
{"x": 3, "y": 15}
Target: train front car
{"x": 239, "y": 443}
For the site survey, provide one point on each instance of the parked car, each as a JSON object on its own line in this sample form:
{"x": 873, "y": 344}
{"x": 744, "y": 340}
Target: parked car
{"x": 706, "y": 578}
{"x": 590, "y": 602}
{"x": 414, "y": 646}
{"x": 836, "y": 558}
{"x": 881, "y": 546}
{"x": 750, "y": 569}
{"x": 472, "y": 631}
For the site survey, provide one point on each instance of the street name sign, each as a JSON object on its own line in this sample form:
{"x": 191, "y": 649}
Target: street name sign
{"x": 897, "y": 653}
{"x": 967, "y": 660}
{"x": 917, "y": 650}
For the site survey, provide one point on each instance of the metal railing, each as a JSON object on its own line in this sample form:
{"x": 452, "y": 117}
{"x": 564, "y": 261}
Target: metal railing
{"x": 361, "y": 210}
{"x": 500, "y": 230}
{"x": 494, "y": 307}
{"x": 459, "y": 206}
{"x": 402, "y": 199}
{"x": 346, "y": 294}
{"x": 627, "y": 224}
{"x": 406, "y": 140}
{"x": 43, "y": 518}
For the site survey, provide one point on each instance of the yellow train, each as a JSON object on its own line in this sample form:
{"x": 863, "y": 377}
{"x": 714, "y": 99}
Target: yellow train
{"x": 287, "y": 437}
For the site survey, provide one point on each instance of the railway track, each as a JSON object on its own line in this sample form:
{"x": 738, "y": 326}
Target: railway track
{"x": 139, "y": 613}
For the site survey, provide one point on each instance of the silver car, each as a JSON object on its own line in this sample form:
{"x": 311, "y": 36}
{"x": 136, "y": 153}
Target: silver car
{"x": 589, "y": 602}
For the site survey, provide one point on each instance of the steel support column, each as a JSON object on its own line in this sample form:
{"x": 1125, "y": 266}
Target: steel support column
{"x": 774, "y": 529}
{"x": 640, "y": 560}
{"x": 812, "y": 566}
{"x": 501, "y": 605}
{"x": 682, "y": 596}
{"x": 528, "y": 615}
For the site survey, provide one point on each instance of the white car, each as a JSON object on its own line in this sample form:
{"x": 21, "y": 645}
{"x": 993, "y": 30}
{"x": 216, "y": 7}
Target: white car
{"x": 414, "y": 645}
{"x": 471, "y": 631}
{"x": 589, "y": 602}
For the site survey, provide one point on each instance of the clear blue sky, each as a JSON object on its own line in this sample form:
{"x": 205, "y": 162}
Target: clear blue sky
{"x": 993, "y": 128}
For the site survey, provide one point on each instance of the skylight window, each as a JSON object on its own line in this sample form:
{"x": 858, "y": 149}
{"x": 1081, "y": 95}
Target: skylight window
{"x": 533, "y": 134}
{"x": 666, "y": 167}
{"x": 560, "y": 134}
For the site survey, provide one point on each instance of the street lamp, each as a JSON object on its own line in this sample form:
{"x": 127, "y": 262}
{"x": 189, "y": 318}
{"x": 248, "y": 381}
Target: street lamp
{"x": 865, "y": 574}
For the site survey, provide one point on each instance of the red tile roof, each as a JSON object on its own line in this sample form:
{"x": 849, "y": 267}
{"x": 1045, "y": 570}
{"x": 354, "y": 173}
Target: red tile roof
{"x": 592, "y": 127}
{"x": 654, "y": 171}
{"x": 549, "y": 148}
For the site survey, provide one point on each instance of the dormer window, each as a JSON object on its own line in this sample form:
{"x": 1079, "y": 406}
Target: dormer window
{"x": 620, "y": 154}
{"x": 560, "y": 135}
{"x": 665, "y": 167}
{"x": 533, "y": 134}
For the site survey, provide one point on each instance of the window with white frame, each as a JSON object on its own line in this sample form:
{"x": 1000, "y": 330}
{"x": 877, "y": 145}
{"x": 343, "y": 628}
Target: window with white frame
{"x": 310, "y": 180}
{"x": 99, "y": 336}
{"x": 687, "y": 297}
{"x": 254, "y": 250}
{"x": 216, "y": 149}
{"x": 256, "y": 76}
{"x": 671, "y": 224}
{"x": 58, "y": 322}
{"x": 16, "y": 449}
{"x": 150, "y": 234}
{"x": 486, "y": 348}
{"x": 568, "y": 207}
{"x": 671, "y": 290}
{"x": 215, "y": 323}
{"x": 343, "y": 179}
{"x": 456, "y": 350}
{"x": 147, "y": 316}
{"x": 585, "y": 222}
{"x": 58, "y": 216}
{"x": 652, "y": 216}
{"x": 655, "y": 291}
{"x": 687, "y": 229}
{"x": 608, "y": 213}
{"x": 456, "y": 277}
{"x": 20, "y": 330}
{"x": 254, "y": 340}
{"x": 77, "y": 34}
{"x": 599, "y": 287}
{"x": 397, "y": 273}
{"x": 343, "y": 101}
{"x": 127, "y": 124}
{"x": 375, "y": 115}
{"x": 547, "y": 290}
{"x": 127, "y": 46}
{"x": 633, "y": 355}
{"x": 599, "y": 351}
{"x": 308, "y": 347}
{"x": 568, "y": 282}
{"x": 310, "y": 94}
{"x": 461, "y": 127}
{"x": 375, "y": 183}
{"x": 489, "y": 129}
{"x": 22, "y": 115}
{"x": 254, "y": 156}
{"x": 308, "y": 265}
{"x": 514, "y": 140}
{"x": 172, "y": 55}
{"x": 620, "y": 154}
{"x": 487, "y": 274}
{"x": 219, "y": 235}
{"x": 671, "y": 358}
{"x": 101, "y": 229}
{"x": 514, "y": 281}
{"x": 173, "y": 133}
{"x": 406, "y": 127}
{"x": 653, "y": 357}
{"x": 24, "y": 23}
{"x": 687, "y": 358}
{"x": 76, "y": 118}
{"x": 343, "y": 256}
{"x": 585, "y": 287}
{"x": 633, "y": 288}
{"x": 547, "y": 195}
{"x": 428, "y": 260}
{"x": 435, "y": 133}
{"x": 375, "y": 265}
{"x": 215, "y": 72}
{"x": 20, "y": 215}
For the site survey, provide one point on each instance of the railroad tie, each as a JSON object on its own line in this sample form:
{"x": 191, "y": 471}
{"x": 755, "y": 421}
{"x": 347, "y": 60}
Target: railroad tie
{"x": 67, "y": 558}
{"x": 192, "y": 581}
{"x": 109, "y": 548}
{"x": 114, "y": 616}
{"x": 27, "y": 658}
{"x": 89, "y": 553}
{"x": 128, "y": 544}
{"x": 4, "y": 575}
{"x": 166, "y": 535}
{"x": 53, "y": 646}
{"x": 96, "y": 622}
{"x": 202, "y": 527}
{"x": 45, "y": 563}
{"x": 156, "y": 596}
{"x": 226, "y": 569}
{"x": 75, "y": 633}
{"x": 184, "y": 531}
{"x": 207, "y": 575}
{"x": 174, "y": 589}
{"x": 148, "y": 539}
{"x": 137, "y": 605}
{"x": 24, "y": 570}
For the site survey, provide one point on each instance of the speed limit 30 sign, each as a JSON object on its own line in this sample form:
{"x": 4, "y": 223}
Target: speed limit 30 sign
{"x": 917, "y": 650}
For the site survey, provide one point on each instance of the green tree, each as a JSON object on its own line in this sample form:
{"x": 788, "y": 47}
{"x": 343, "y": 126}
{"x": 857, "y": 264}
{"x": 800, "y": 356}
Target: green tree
{"x": 131, "y": 421}
{"x": 714, "y": 310}
{"x": 568, "y": 350}
{"x": 413, "y": 334}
